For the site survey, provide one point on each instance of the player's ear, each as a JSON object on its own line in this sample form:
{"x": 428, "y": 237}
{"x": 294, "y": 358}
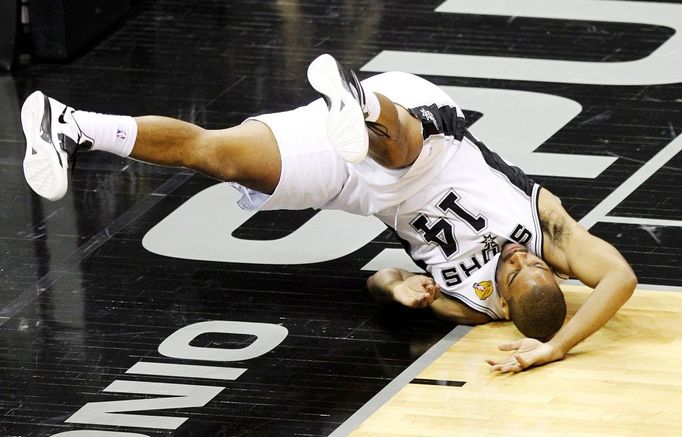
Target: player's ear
{"x": 505, "y": 307}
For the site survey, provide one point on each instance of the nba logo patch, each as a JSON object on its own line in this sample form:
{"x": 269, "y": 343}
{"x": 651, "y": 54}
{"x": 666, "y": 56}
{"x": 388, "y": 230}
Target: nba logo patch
{"x": 120, "y": 134}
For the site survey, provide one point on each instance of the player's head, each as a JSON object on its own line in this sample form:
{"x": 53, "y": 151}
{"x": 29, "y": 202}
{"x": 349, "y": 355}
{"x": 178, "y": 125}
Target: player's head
{"x": 532, "y": 296}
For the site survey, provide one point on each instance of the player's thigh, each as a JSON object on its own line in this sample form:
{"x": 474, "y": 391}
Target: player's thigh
{"x": 311, "y": 172}
{"x": 247, "y": 154}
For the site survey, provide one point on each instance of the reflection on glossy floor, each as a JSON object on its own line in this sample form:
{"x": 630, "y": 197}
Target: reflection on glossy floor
{"x": 619, "y": 382}
{"x": 83, "y": 303}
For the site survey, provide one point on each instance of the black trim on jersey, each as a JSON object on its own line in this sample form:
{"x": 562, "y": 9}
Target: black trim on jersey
{"x": 540, "y": 238}
{"x": 408, "y": 248}
{"x": 440, "y": 120}
{"x": 515, "y": 175}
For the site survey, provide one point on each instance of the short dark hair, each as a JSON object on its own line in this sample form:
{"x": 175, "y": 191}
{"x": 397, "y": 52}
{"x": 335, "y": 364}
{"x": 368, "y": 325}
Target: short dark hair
{"x": 540, "y": 312}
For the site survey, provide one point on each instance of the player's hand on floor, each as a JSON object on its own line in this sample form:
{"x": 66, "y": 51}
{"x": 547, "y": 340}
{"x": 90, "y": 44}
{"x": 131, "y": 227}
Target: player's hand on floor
{"x": 528, "y": 352}
{"x": 416, "y": 291}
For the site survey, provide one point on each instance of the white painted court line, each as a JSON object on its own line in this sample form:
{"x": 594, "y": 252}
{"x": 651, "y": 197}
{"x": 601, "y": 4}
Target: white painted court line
{"x": 632, "y": 183}
{"x": 641, "y": 221}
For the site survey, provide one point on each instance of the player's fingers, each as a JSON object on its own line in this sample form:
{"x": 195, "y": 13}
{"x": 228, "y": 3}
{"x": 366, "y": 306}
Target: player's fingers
{"x": 431, "y": 290}
{"x": 494, "y": 367}
{"x": 511, "y": 368}
{"x": 425, "y": 280}
{"x": 505, "y": 368}
{"x": 523, "y": 361}
{"x": 502, "y": 362}
{"x": 422, "y": 300}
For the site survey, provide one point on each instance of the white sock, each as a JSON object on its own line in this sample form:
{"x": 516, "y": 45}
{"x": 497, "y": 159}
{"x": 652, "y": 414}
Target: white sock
{"x": 373, "y": 106}
{"x": 110, "y": 133}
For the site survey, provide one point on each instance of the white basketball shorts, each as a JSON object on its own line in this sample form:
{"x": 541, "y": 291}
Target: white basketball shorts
{"x": 314, "y": 176}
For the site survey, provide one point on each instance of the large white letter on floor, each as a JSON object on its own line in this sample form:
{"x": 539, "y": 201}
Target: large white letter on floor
{"x": 112, "y": 413}
{"x": 662, "y": 66}
{"x": 515, "y": 123}
{"x": 202, "y": 227}
{"x": 268, "y": 337}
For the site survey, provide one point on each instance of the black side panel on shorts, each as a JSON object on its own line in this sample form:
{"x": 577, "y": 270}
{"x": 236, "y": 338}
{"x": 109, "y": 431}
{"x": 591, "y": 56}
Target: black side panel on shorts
{"x": 440, "y": 120}
{"x": 515, "y": 175}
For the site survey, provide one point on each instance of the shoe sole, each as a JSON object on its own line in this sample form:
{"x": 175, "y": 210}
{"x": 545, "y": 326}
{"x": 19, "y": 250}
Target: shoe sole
{"x": 346, "y": 122}
{"x": 42, "y": 169}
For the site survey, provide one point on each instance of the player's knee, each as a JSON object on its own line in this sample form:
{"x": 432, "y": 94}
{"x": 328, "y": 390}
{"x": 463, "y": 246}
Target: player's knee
{"x": 205, "y": 152}
{"x": 247, "y": 154}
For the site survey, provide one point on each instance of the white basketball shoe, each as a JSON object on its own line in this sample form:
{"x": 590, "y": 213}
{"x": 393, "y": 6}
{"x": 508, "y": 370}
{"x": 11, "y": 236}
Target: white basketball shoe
{"x": 52, "y": 139}
{"x": 345, "y": 98}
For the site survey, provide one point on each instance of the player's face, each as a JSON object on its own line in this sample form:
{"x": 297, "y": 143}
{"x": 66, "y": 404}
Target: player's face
{"x": 519, "y": 270}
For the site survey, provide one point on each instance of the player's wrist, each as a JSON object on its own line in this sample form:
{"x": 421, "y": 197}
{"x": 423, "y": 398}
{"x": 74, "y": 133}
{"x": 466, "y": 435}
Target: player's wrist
{"x": 559, "y": 350}
{"x": 393, "y": 286}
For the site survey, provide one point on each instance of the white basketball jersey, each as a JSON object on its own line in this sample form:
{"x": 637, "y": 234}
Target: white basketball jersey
{"x": 455, "y": 227}
{"x": 456, "y": 205}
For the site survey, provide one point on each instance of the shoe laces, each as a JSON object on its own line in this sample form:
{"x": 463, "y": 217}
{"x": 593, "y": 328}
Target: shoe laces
{"x": 378, "y": 128}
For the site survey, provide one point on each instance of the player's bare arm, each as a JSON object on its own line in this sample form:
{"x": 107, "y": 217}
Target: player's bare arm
{"x": 572, "y": 250}
{"x": 452, "y": 310}
{"x": 419, "y": 291}
{"x": 406, "y": 288}
{"x": 595, "y": 263}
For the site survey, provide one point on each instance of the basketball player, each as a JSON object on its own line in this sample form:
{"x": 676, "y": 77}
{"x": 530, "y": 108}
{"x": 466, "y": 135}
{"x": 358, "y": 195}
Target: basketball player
{"x": 393, "y": 146}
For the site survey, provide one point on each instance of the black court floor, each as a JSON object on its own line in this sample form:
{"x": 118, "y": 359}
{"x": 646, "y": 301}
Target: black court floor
{"x": 101, "y": 332}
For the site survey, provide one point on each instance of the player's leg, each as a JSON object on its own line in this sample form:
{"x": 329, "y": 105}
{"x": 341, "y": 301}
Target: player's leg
{"x": 247, "y": 154}
{"x": 394, "y": 139}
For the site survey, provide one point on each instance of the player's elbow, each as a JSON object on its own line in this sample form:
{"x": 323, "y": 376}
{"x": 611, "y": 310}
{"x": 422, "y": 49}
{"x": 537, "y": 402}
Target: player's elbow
{"x": 371, "y": 282}
{"x": 379, "y": 284}
{"x": 628, "y": 282}
{"x": 373, "y": 286}
{"x": 379, "y": 279}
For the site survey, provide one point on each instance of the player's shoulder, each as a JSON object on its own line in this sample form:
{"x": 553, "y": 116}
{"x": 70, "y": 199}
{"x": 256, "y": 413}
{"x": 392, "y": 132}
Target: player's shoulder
{"x": 562, "y": 234}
